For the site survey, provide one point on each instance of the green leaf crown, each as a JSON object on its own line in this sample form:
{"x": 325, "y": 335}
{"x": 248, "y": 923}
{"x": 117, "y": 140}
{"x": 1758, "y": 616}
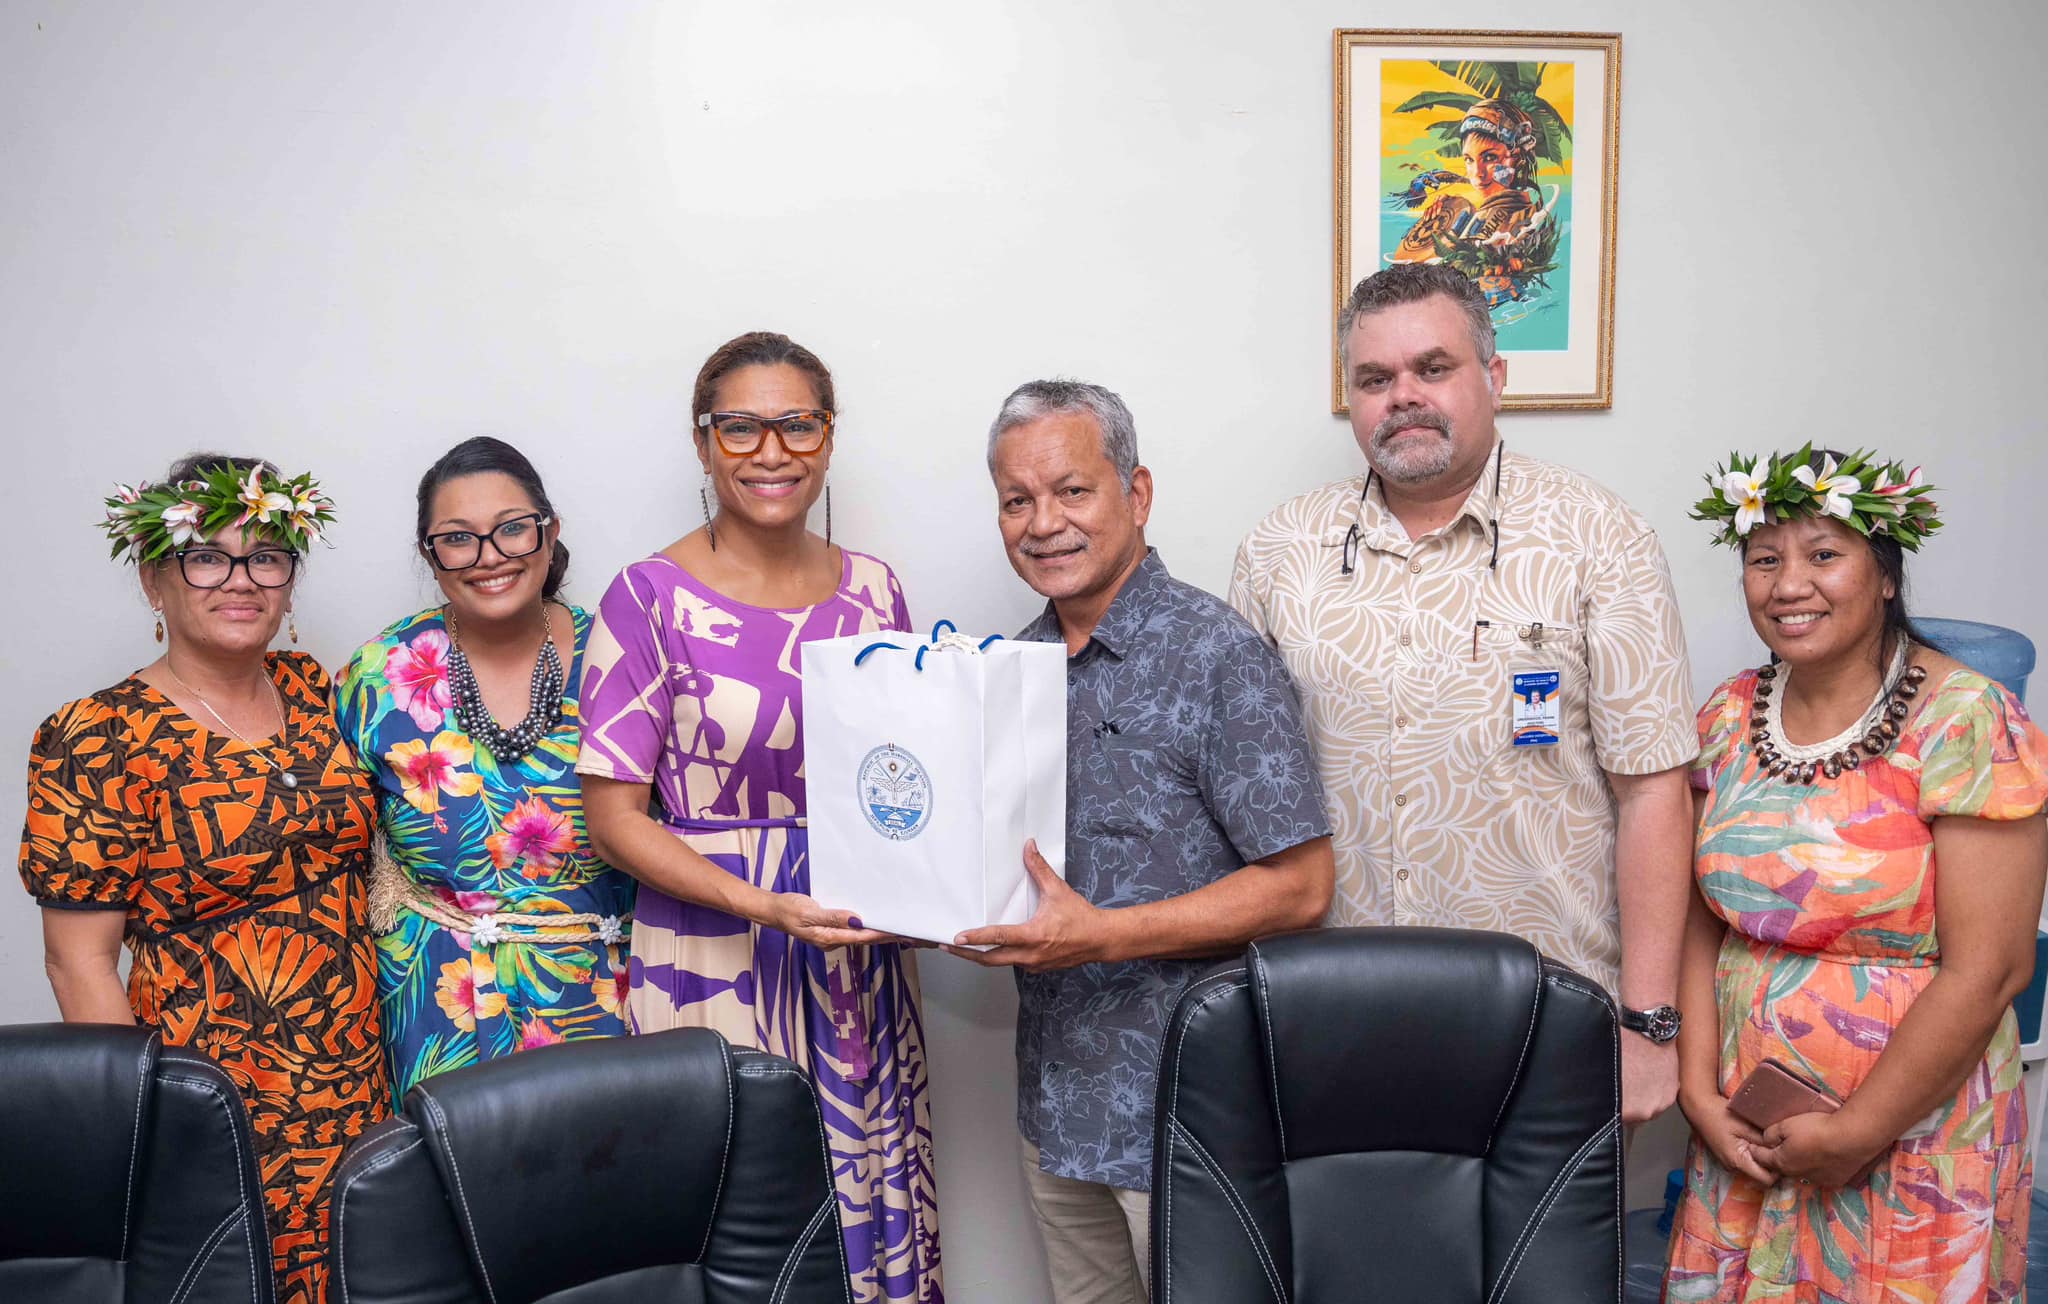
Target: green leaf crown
{"x": 1868, "y": 496}
{"x": 148, "y": 522}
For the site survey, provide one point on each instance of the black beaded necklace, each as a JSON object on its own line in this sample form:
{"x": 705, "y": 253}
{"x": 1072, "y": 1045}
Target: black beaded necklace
{"x": 544, "y": 709}
{"x": 1871, "y": 737}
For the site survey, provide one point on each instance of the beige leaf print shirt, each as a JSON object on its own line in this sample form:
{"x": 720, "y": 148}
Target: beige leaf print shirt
{"x": 1404, "y": 668}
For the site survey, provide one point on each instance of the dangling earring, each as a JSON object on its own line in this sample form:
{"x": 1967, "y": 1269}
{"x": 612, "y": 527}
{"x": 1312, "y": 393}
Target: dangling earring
{"x": 159, "y": 623}
{"x": 828, "y": 509}
{"x": 291, "y": 625}
{"x": 704, "y": 500}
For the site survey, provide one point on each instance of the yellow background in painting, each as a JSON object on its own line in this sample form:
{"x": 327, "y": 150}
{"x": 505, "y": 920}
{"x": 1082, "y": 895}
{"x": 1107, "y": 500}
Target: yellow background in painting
{"x": 1402, "y": 134}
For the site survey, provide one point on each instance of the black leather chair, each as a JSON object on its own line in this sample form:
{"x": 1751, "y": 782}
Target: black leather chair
{"x": 668, "y": 1167}
{"x": 127, "y": 1172}
{"x": 1422, "y": 1115}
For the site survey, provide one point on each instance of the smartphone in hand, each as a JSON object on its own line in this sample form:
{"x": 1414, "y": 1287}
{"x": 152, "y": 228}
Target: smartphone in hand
{"x": 1774, "y": 1093}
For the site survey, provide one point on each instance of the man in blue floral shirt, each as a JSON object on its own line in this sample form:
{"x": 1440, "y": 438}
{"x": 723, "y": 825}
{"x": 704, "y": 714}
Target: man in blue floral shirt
{"x": 1195, "y": 823}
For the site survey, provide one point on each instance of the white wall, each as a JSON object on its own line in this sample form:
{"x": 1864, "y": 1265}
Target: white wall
{"x": 344, "y": 236}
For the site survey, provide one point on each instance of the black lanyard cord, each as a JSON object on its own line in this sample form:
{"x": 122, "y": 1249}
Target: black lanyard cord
{"x": 1352, "y": 535}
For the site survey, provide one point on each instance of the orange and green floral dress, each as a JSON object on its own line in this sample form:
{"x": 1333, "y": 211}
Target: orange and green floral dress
{"x": 244, "y": 898}
{"x": 1828, "y": 891}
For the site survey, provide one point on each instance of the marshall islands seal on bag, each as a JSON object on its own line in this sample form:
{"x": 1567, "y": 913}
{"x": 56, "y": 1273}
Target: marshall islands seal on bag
{"x": 895, "y": 792}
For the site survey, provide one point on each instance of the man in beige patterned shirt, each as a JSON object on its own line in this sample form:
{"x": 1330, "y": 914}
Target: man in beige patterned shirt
{"x": 1490, "y": 656}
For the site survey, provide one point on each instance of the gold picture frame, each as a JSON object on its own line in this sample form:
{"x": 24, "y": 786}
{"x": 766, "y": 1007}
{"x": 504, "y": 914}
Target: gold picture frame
{"x": 1489, "y": 131}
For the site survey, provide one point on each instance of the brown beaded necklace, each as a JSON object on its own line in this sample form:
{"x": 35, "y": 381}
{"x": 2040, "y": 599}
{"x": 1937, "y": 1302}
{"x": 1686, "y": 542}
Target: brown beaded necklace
{"x": 1878, "y": 727}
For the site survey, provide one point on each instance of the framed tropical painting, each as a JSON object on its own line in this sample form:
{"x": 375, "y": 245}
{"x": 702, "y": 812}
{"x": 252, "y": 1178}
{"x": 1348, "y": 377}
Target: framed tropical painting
{"x": 1493, "y": 152}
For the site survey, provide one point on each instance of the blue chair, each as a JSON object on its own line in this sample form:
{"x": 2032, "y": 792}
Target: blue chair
{"x": 1993, "y": 651}
{"x": 2007, "y": 656}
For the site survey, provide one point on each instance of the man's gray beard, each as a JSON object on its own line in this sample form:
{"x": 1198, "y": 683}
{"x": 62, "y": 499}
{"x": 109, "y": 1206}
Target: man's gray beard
{"x": 1413, "y": 464}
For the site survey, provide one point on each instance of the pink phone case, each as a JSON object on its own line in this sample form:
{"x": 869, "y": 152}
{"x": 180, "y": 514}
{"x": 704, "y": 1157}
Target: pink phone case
{"x": 1773, "y": 1093}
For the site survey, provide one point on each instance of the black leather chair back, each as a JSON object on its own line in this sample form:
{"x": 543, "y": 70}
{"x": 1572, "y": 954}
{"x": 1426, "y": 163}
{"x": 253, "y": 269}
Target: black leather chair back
{"x": 668, "y": 1167}
{"x": 1415, "y": 1114}
{"x": 127, "y": 1172}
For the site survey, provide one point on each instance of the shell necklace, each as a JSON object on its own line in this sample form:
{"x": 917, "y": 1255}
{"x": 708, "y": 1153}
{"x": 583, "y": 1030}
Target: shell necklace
{"x": 1870, "y": 737}
{"x": 285, "y": 776}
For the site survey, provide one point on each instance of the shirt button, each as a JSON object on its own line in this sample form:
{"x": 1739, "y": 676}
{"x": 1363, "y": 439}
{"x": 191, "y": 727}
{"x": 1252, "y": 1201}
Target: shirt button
{"x": 1400, "y": 722}
{"x": 1404, "y": 640}
{"x": 1401, "y": 874}
{"x": 1414, "y": 568}
{"x": 1400, "y": 799}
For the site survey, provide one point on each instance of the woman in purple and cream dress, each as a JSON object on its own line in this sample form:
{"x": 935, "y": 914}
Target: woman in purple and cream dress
{"x": 692, "y": 691}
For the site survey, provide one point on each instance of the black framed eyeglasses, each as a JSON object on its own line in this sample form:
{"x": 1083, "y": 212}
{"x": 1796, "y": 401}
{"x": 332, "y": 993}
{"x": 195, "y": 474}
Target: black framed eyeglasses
{"x": 740, "y": 433}
{"x": 520, "y": 536}
{"x": 210, "y": 568}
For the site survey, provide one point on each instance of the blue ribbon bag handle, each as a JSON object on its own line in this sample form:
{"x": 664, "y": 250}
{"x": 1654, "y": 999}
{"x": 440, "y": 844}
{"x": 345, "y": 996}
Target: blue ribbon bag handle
{"x": 939, "y": 630}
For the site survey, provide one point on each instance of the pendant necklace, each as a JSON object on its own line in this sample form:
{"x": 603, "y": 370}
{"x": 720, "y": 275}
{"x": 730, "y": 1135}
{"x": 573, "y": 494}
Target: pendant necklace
{"x": 284, "y": 775}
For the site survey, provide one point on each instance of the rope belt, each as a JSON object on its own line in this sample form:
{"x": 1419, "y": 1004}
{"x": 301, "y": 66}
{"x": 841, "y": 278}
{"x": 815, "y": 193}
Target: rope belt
{"x": 393, "y": 890}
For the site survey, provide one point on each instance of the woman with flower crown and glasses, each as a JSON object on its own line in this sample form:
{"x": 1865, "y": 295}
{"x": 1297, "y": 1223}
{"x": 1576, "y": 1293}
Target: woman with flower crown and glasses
{"x": 1869, "y": 857}
{"x": 499, "y": 928}
{"x": 206, "y": 811}
{"x": 693, "y": 695}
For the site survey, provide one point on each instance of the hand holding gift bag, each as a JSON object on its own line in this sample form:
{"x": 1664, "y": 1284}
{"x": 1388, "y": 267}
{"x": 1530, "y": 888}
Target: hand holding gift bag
{"x": 928, "y": 768}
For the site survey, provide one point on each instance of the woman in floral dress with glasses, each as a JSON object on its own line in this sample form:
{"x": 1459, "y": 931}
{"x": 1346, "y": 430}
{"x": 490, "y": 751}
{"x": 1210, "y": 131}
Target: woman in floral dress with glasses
{"x": 499, "y": 928}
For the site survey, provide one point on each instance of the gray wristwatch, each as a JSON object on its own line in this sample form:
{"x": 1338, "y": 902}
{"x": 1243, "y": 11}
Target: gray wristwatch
{"x": 1659, "y": 1023}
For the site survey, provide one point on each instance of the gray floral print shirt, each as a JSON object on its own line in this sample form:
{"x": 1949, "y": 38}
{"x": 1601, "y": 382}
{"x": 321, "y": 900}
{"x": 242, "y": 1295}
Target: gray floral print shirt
{"x": 1186, "y": 759}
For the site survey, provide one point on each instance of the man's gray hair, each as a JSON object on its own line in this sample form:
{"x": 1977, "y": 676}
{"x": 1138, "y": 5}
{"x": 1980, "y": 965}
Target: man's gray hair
{"x": 1043, "y": 398}
{"x": 1412, "y": 283}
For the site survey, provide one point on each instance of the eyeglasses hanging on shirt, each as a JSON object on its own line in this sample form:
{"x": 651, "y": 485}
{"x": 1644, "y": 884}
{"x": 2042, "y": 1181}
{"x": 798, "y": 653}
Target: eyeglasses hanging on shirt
{"x": 1351, "y": 536}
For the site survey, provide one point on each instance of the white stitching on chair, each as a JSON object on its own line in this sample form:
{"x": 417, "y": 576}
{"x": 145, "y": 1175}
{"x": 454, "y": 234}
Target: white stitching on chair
{"x": 142, "y": 1076}
{"x": 1173, "y": 1111}
{"x": 725, "y": 1155}
{"x": 1527, "y": 1236}
{"x": 825, "y": 1150}
{"x": 256, "y": 1243}
{"x": 1567, "y": 979}
{"x": 1614, "y": 1026}
{"x": 787, "y": 1273}
{"x": 441, "y": 1119}
{"x": 768, "y": 1071}
{"x": 1237, "y": 1207}
{"x": 190, "y": 1276}
{"x": 1272, "y": 1051}
{"x": 379, "y": 1164}
{"x": 1528, "y": 1035}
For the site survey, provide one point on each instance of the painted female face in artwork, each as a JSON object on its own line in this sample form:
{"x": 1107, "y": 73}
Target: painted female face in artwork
{"x": 1489, "y": 165}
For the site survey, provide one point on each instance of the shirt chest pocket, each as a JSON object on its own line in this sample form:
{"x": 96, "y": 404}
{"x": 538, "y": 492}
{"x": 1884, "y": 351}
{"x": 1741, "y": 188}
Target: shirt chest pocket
{"x": 1512, "y": 645}
{"x": 1125, "y": 786}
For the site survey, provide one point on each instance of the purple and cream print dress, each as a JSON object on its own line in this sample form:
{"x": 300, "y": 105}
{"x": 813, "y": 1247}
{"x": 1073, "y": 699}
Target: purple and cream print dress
{"x": 700, "y": 696}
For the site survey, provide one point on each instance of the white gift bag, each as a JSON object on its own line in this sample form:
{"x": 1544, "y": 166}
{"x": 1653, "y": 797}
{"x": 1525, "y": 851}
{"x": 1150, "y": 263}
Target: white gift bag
{"x": 926, "y": 768}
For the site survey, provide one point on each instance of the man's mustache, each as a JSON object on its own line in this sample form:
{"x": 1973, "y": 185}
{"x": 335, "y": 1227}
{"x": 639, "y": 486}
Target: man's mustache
{"x": 1409, "y": 419}
{"x": 1058, "y": 543}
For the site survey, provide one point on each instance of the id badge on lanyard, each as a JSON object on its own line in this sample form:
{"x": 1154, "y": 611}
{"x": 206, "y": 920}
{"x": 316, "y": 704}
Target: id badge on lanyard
{"x": 1536, "y": 702}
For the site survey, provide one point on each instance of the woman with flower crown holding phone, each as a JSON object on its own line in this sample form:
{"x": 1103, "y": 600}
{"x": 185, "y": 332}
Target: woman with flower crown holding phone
{"x": 498, "y": 927}
{"x": 206, "y": 811}
{"x": 1869, "y": 856}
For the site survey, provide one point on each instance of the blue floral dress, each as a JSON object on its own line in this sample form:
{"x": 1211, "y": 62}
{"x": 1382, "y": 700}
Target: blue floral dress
{"x": 481, "y": 838}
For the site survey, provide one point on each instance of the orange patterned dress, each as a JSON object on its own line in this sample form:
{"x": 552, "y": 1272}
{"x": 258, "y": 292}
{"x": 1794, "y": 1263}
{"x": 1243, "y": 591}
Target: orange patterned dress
{"x": 1828, "y": 892}
{"x": 245, "y": 914}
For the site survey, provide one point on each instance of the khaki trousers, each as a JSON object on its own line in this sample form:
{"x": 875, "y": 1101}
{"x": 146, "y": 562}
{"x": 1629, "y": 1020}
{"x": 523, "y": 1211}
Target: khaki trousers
{"x": 1098, "y": 1239}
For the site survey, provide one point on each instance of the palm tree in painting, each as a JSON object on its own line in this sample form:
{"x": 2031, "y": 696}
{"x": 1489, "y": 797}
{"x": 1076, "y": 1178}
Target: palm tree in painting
{"x": 1514, "y": 82}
